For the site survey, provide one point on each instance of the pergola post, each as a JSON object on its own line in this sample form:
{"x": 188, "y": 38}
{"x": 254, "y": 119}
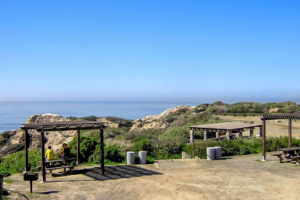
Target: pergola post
{"x": 263, "y": 128}
{"x": 191, "y": 136}
{"x": 26, "y": 150}
{"x": 228, "y": 134}
{"x": 240, "y": 133}
{"x": 218, "y": 134}
{"x": 205, "y": 135}
{"x": 260, "y": 131}
{"x": 102, "y": 150}
{"x": 78, "y": 146}
{"x": 290, "y": 132}
{"x": 250, "y": 132}
{"x": 43, "y": 154}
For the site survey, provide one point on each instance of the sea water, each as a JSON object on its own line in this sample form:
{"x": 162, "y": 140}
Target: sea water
{"x": 13, "y": 114}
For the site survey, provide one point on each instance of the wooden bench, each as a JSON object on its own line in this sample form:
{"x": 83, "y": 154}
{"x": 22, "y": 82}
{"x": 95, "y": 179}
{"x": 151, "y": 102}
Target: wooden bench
{"x": 50, "y": 169}
{"x": 296, "y": 159}
{"x": 278, "y": 156}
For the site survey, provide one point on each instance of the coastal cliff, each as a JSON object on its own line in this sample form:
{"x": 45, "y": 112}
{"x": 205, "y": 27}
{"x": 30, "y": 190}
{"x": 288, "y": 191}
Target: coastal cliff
{"x": 12, "y": 141}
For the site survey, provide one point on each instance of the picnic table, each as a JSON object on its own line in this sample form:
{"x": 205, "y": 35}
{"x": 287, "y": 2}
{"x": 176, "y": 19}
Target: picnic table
{"x": 289, "y": 153}
{"x": 59, "y": 164}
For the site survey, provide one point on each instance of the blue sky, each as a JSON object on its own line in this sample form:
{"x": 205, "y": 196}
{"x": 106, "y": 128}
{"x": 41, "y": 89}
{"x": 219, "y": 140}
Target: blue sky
{"x": 149, "y": 50}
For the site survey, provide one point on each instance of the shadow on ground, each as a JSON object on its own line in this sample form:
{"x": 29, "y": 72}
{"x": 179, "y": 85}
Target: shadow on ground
{"x": 111, "y": 173}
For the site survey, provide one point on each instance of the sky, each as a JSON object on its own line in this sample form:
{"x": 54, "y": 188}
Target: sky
{"x": 75, "y": 50}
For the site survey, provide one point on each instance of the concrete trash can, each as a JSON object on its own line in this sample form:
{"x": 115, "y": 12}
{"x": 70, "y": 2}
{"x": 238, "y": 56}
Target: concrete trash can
{"x": 143, "y": 157}
{"x": 210, "y": 153}
{"x": 130, "y": 157}
{"x": 217, "y": 153}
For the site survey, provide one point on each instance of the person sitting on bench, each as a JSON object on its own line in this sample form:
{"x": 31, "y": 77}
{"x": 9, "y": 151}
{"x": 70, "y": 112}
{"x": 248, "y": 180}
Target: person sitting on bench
{"x": 49, "y": 154}
{"x": 65, "y": 153}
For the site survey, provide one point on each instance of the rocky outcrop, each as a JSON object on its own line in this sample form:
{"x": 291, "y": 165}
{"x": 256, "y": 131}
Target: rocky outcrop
{"x": 15, "y": 139}
{"x": 157, "y": 121}
{"x": 109, "y": 123}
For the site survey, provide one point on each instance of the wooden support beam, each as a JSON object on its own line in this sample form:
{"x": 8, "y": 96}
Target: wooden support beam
{"x": 205, "y": 135}
{"x": 78, "y": 146}
{"x": 102, "y": 150}
{"x": 290, "y": 132}
{"x": 191, "y": 136}
{"x": 250, "y": 132}
{"x": 26, "y": 150}
{"x": 43, "y": 154}
{"x": 263, "y": 128}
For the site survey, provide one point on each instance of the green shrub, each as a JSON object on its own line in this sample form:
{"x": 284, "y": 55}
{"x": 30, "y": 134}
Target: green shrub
{"x": 15, "y": 163}
{"x": 175, "y": 133}
{"x": 143, "y": 145}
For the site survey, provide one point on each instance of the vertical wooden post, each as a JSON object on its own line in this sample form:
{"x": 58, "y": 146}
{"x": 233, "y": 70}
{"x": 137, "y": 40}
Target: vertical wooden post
{"x": 30, "y": 186}
{"x": 251, "y": 132}
{"x": 1, "y": 187}
{"x": 228, "y": 134}
{"x": 240, "y": 133}
{"x": 43, "y": 154}
{"x": 191, "y": 136}
{"x": 205, "y": 135}
{"x": 26, "y": 150}
{"x": 102, "y": 150}
{"x": 290, "y": 132}
{"x": 263, "y": 128}
{"x": 78, "y": 146}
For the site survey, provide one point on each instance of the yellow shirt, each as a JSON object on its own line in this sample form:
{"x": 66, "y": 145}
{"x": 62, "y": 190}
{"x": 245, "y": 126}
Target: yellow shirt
{"x": 49, "y": 154}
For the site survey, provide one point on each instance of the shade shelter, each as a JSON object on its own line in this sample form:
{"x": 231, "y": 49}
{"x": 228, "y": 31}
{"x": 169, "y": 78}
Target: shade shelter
{"x": 288, "y": 116}
{"x": 222, "y": 128}
{"x": 62, "y": 126}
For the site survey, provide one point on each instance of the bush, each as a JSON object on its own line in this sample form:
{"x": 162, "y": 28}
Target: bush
{"x": 87, "y": 147}
{"x": 175, "y": 133}
{"x": 15, "y": 163}
{"x": 143, "y": 145}
{"x": 112, "y": 154}
{"x": 90, "y": 118}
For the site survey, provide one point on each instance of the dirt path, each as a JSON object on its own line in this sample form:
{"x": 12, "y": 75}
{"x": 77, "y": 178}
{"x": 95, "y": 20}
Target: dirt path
{"x": 239, "y": 177}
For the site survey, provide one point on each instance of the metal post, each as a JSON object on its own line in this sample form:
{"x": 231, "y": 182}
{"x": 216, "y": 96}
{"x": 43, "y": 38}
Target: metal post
{"x": 78, "y": 146}
{"x": 191, "y": 136}
{"x": 263, "y": 128}
{"x": 43, "y": 154}
{"x": 290, "y": 132}
{"x": 102, "y": 150}
{"x": 26, "y": 150}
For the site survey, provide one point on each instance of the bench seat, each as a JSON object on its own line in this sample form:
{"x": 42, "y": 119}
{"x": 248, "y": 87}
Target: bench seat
{"x": 61, "y": 167}
{"x": 278, "y": 156}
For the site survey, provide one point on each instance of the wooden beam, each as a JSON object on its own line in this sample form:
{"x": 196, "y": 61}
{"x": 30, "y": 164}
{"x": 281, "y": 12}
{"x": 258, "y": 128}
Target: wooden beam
{"x": 264, "y": 139}
{"x": 102, "y": 150}
{"x": 78, "y": 146}
{"x": 43, "y": 154}
{"x": 290, "y": 132}
{"x": 191, "y": 136}
{"x": 26, "y": 150}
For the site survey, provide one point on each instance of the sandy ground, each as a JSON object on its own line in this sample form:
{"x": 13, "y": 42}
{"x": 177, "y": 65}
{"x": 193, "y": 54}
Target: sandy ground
{"x": 238, "y": 177}
{"x": 273, "y": 128}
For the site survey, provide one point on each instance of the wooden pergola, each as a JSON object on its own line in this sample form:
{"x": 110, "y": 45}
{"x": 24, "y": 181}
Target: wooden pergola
{"x": 264, "y": 118}
{"x": 222, "y": 128}
{"x": 62, "y": 126}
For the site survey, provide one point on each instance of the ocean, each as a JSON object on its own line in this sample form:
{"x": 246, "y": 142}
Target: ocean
{"x": 13, "y": 114}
